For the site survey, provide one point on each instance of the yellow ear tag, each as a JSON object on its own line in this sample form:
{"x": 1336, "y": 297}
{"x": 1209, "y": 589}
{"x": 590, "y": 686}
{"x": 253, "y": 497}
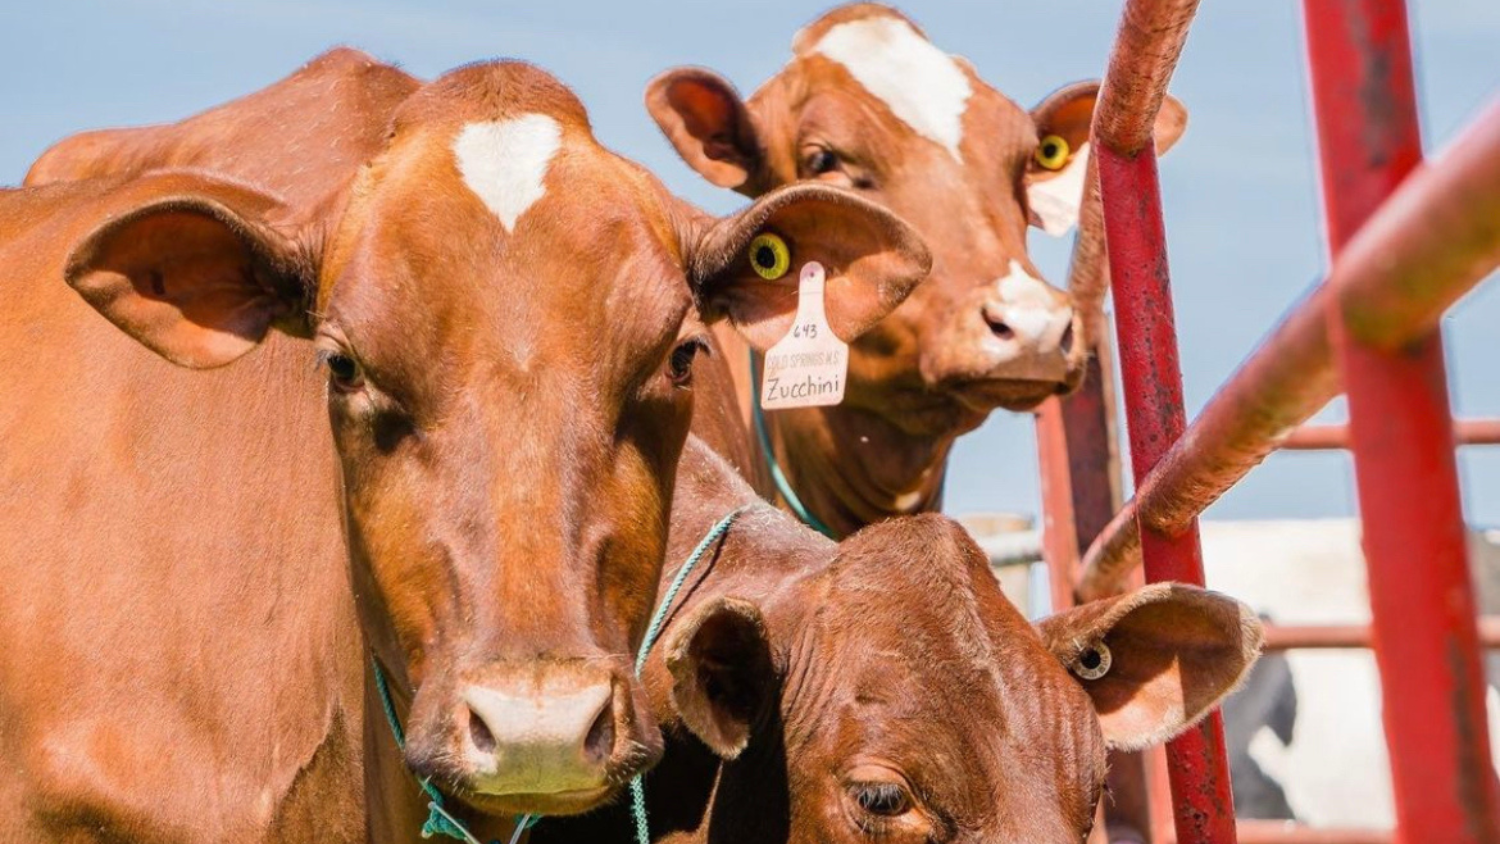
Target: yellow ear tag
{"x": 810, "y": 365}
{"x": 769, "y": 256}
{"x": 1052, "y": 152}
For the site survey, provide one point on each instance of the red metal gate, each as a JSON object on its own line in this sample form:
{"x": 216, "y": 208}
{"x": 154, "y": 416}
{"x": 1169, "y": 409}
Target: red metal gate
{"x": 1406, "y": 240}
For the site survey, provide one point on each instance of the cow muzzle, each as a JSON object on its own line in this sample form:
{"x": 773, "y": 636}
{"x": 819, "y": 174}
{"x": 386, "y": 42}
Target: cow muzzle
{"x": 557, "y": 739}
{"x": 1011, "y": 345}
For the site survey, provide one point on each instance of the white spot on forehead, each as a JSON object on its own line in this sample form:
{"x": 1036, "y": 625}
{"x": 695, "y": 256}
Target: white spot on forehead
{"x": 920, "y": 84}
{"x": 504, "y": 162}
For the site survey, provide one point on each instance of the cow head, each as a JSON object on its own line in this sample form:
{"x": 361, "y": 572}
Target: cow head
{"x": 896, "y": 695}
{"x": 508, "y": 315}
{"x": 867, "y": 103}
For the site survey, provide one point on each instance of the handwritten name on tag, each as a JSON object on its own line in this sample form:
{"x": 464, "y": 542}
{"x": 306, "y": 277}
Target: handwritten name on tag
{"x": 807, "y": 367}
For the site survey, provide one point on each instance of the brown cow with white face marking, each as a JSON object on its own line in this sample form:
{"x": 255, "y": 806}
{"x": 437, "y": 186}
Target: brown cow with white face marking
{"x": 869, "y": 104}
{"x": 884, "y": 689}
{"x": 505, "y": 379}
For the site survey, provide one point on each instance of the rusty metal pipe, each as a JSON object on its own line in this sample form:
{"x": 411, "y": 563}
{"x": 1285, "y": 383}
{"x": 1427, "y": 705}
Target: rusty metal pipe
{"x": 1283, "y": 637}
{"x": 1278, "y": 832}
{"x": 1436, "y": 238}
{"x": 1326, "y": 437}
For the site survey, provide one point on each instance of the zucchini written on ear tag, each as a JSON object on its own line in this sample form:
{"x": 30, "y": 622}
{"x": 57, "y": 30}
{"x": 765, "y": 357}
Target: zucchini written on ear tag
{"x": 809, "y": 366}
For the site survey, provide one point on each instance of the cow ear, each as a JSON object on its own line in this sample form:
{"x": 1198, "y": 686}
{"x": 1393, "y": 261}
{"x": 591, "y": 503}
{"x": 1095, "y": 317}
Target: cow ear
{"x": 705, "y": 119}
{"x": 722, "y": 675}
{"x": 190, "y": 268}
{"x": 1056, "y": 174}
{"x": 1156, "y": 660}
{"x": 872, "y": 260}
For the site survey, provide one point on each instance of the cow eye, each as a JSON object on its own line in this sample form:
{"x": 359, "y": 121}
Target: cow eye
{"x": 821, "y": 161}
{"x": 885, "y": 799}
{"x": 770, "y": 256}
{"x": 1052, "y": 152}
{"x": 343, "y": 372}
{"x": 680, "y": 367}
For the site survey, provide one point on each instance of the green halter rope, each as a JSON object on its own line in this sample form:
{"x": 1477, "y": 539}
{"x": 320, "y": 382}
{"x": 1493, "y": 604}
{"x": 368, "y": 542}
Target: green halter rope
{"x": 783, "y": 485}
{"x": 441, "y": 822}
{"x": 638, "y": 784}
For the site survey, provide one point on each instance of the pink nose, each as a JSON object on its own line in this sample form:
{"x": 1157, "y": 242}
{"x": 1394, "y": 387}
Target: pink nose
{"x": 1028, "y": 330}
{"x": 553, "y": 736}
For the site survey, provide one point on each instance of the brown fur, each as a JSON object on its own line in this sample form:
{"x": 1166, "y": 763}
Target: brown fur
{"x": 894, "y": 655}
{"x": 181, "y": 659}
{"x": 923, "y": 376}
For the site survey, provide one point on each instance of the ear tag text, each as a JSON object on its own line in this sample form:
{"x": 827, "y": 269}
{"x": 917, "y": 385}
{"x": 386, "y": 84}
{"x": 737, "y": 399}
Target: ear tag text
{"x": 810, "y": 365}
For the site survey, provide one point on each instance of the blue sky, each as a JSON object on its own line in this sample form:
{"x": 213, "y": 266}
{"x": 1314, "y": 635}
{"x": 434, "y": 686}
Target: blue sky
{"x": 1240, "y": 189}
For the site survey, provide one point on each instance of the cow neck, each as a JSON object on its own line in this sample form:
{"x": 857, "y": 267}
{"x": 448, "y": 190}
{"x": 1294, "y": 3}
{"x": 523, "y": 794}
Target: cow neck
{"x": 807, "y": 455}
{"x": 765, "y": 556}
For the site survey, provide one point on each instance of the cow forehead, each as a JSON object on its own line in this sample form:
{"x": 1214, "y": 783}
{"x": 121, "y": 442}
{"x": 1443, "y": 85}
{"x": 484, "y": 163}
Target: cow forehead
{"x": 922, "y": 86}
{"x": 505, "y": 162}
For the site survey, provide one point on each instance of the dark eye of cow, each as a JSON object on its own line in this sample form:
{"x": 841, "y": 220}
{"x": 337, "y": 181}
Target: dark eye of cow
{"x": 680, "y": 368}
{"x": 822, "y": 161}
{"x": 886, "y": 799}
{"x": 343, "y": 372}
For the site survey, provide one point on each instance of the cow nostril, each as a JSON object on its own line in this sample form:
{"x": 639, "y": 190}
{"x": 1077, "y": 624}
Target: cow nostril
{"x": 1066, "y": 343}
{"x": 599, "y": 744}
{"x": 999, "y": 328}
{"x": 479, "y": 734}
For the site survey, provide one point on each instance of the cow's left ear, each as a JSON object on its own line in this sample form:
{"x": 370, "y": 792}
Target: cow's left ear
{"x": 1056, "y": 174}
{"x": 746, "y": 266}
{"x": 709, "y": 125}
{"x": 722, "y": 676}
{"x": 1156, "y": 660}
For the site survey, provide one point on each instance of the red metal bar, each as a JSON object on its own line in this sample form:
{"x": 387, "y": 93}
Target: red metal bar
{"x": 1436, "y": 238}
{"x": 1282, "y": 637}
{"x": 1279, "y": 832}
{"x": 1421, "y": 598}
{"x": 1059, "y": 528}
{"x": 1146, "y": 51}
{"x": 1325, "y": 437}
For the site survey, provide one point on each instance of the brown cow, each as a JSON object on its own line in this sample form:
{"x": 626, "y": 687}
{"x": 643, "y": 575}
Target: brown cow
{"x": 505, "y": 372}
{"x": 884, "y": 688}
{"x": 868, "y": 103}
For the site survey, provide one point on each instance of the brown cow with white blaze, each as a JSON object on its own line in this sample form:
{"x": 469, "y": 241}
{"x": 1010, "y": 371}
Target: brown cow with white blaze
{"x": 884, "y": 689}
{"x": 867, "y": 103}
{"x": 505, "y": 382}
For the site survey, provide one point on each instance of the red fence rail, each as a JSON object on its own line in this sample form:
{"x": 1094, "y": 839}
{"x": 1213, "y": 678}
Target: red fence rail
{"x": 1430, "y": 243}
{"x": 1409, "y": 240}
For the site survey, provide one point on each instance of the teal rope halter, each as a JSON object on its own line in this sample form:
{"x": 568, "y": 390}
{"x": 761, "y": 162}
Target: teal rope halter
{"x": 783, "y": 486}
{"x": 441, "y": 822}
{"x": 638, "y": 784}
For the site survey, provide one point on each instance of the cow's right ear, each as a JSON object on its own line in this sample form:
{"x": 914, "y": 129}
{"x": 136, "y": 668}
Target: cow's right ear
{"x": 190, "y": 267}
{"x": 746, "y": 266}
{"x": 723, "y": 679}
{"x": 705, "y": 119}
{"x": 1156, "y": 660}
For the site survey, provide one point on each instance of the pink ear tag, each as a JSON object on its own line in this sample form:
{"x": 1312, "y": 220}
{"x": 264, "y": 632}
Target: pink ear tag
{"x": 810, "y": 365}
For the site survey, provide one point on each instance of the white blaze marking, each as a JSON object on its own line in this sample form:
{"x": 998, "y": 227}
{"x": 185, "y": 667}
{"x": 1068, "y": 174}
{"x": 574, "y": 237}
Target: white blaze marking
{"x": 920, "y": 84}
{"x": 1057, "y": 200}
{"x": 504, "y": 162}
{"x": 1029, "y": 308}
{"x": 906, "y": 502}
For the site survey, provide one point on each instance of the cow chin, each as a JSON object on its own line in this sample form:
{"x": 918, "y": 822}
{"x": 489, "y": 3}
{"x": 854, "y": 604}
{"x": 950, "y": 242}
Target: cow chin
{"x": 983, "y": 395}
